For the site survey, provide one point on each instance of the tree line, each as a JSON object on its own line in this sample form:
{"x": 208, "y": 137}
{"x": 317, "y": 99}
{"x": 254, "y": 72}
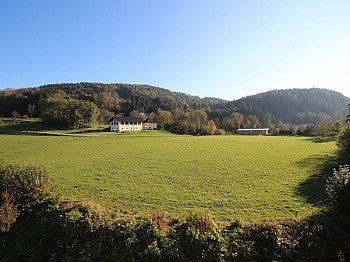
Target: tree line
{"x": 284, "y": 111}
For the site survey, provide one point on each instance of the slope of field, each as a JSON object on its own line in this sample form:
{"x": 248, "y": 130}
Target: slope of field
{"x": 232, "y": 177}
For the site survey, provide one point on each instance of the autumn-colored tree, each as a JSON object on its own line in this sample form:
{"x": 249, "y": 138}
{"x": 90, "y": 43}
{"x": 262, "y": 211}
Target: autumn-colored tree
{"x": 211, "y": 127}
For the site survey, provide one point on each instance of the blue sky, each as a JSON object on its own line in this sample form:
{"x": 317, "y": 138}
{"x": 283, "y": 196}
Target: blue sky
{"x": 225, "y": 49}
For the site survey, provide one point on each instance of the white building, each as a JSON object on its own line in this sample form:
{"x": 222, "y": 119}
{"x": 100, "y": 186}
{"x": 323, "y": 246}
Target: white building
{"x": 125, "y": 124}
{"x": 149, "y": 124}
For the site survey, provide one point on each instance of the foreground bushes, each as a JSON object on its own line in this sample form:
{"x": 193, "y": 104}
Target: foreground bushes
{"x": 30, "y": 185}
{"x": 338, "y": 188}
{"x": 51, "y": 236}
{"x": 37, "y": 228}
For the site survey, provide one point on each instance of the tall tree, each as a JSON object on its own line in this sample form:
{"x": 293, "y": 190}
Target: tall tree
{"x": 347, "y": 120}
{"x": 201, "y": 119}
{"x": 236, "y": 120}
{"x": 53, "y": 111}
{"x": 338, "y": 127}
{"x": 252, "y": 122}
{"x": 88, "y": 112}
{"x": 211, "y": 127}
{"x": 343, "y": 141}
{"x": 267, "y": 121}
{"x": 31, "y": 110}
{"x": 323, "y": 129}
{"x": 164, "y": 118}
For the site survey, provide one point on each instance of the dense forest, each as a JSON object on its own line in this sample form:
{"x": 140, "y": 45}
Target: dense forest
{"x": 72, "y": 104}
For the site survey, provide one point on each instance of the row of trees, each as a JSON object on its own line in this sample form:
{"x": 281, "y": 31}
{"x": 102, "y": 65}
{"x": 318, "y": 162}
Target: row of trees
{"x": 196, "y": 122}
{"x": 283, "y": 111}
{"x": 71, "y": 113}
{"x": 59, "y": 110}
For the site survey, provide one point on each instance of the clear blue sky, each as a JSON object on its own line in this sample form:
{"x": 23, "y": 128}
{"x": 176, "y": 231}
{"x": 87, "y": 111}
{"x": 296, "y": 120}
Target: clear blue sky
{"x": 225, "y": 49}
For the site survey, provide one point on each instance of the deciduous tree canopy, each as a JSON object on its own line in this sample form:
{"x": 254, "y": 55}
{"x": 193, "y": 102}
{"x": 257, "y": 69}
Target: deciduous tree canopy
{"x": 188, "y": 114}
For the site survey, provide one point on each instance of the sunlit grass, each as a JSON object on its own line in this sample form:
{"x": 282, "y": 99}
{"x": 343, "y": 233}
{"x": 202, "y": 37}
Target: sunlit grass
{"x": 232, "y": 177}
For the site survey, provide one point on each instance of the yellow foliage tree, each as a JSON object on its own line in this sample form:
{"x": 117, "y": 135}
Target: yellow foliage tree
{"x": 211, "y": 127}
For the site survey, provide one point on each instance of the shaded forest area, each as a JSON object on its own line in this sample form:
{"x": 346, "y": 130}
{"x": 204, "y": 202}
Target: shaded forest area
{"x": 175, "y": 111}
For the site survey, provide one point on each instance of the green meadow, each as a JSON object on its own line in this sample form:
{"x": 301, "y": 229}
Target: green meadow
{"x": 232, "y": 177}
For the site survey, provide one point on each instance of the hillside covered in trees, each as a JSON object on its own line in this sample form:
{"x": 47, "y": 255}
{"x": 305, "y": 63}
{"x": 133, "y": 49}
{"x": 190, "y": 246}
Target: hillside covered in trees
{"x": 85, "y": 103}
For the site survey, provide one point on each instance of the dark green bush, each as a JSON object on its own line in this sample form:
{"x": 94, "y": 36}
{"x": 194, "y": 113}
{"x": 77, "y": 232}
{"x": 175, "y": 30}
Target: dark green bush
{"x": 338, "y": 188}
{"x": 198, "y": 239}
{"x": 30, "y": 185}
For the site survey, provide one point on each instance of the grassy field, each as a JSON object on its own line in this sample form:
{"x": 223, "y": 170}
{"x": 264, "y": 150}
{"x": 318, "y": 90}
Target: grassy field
{"x": 232, "y": 177}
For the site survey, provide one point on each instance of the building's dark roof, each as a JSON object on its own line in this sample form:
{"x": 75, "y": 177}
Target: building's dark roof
{"x": 126, "y": 119}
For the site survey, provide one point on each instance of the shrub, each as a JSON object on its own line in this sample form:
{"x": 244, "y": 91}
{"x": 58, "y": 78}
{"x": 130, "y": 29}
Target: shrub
{"x": 30, "y": 184}
{"x": 8, "y": 211}
{"x": 270, "y": 241}
{"x": 338, "y": 187}
{"x": 198, "y": 239}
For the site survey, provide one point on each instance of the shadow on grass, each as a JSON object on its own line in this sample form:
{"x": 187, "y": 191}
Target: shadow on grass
{"x": 313, "y": 189}
{"x": 318, "y": 139}
{"x": 36, "y": 127}
{"x": 25, "y": 125}
{"x": 89, "y": 131}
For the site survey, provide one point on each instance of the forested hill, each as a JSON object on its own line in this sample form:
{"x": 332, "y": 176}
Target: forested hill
{"x": 291, "y": 105}
{"x": 295, "y": 105}
{"x": 127, "y": 97}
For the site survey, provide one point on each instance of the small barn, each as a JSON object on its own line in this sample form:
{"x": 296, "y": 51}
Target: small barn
{"x": 253, "y": 131}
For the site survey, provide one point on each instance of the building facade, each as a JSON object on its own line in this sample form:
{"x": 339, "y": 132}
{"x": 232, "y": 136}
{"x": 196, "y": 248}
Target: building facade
{"x": 125, "y": 124}
{"x": 253, "y": 131}
{"x": 149, "y": 124}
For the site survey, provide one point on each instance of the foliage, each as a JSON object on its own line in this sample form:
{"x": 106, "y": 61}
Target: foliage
{"x": 343, "y": 141}
{"x": 72, "y": 113}
{"x": 51, "y": 235}
{"x": 323, "y": 129}
{"x": 211, "y": 127}
{"x": 347, "y": 120}
{"x": 198, "y": 239}
{"x": 8, "y": 211}
{"x": 295, "y": 106}
{"x": 338, "y": 187}
{"x": 30, "y": 184}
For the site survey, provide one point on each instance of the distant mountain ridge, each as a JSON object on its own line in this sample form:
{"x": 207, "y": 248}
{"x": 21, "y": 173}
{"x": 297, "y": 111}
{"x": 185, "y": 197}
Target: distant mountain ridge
{"x": 287, "y": 105}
